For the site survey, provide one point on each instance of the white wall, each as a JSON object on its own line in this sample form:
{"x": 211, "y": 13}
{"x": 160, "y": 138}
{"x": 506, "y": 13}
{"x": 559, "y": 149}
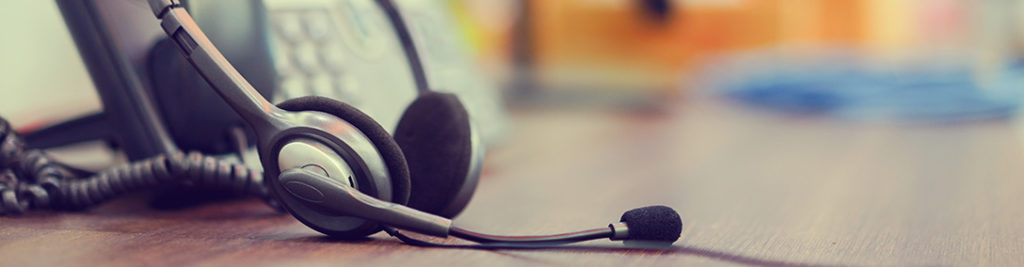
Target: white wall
{"x": 42, "y": 78}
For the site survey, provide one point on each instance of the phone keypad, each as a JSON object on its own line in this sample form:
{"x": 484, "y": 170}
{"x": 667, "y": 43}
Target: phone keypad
{"x": 308, "y": 60}
{"x": 348, "y": 50}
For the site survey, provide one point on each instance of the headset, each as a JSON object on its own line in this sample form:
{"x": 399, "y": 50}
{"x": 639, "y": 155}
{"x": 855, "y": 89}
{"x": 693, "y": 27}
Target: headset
{"x": 327, "y": 163}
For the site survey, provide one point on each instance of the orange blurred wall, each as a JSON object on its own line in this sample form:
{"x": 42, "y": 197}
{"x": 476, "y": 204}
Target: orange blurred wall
{"x": 613, "y": 43}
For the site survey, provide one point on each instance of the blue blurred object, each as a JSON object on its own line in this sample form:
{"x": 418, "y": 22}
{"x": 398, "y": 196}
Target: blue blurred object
{"x": 847, "y": 87}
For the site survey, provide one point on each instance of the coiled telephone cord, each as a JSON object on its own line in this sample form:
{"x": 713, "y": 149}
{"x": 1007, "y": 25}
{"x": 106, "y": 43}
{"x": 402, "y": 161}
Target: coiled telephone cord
{"x": 31, "y": 180}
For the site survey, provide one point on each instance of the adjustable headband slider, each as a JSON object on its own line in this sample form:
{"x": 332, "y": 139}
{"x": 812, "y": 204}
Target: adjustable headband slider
{"x": 160, "y": 6}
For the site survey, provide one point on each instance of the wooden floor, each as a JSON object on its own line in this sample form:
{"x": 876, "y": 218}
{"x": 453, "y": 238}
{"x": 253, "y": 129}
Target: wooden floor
{"x": 752, "y": 187}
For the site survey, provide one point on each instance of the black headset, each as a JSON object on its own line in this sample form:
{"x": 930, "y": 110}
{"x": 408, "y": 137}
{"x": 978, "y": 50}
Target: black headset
{"x": 327, "y": 163}
{"x": 339, "y": 172}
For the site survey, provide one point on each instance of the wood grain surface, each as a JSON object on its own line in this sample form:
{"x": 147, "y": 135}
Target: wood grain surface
{"x": 753, "y": 188}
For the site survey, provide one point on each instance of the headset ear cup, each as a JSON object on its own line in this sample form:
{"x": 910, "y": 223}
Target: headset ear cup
{"x": 389, "y": 150}
{"x": 435, "y": 135}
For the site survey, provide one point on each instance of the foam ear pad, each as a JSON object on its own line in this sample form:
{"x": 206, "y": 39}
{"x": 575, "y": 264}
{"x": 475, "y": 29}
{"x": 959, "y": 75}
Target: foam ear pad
{"x": 434, "y": 133}
{"x": 389, "y": 150}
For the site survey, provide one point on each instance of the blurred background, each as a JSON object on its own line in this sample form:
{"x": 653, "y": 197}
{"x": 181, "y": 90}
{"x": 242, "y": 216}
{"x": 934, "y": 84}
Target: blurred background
{"x": 894, "y": 60}
{"x": 798, "y": 55}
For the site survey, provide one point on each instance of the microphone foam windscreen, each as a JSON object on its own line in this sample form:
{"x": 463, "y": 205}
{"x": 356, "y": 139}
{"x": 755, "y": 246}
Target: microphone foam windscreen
{"x": 653, "y": 223}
